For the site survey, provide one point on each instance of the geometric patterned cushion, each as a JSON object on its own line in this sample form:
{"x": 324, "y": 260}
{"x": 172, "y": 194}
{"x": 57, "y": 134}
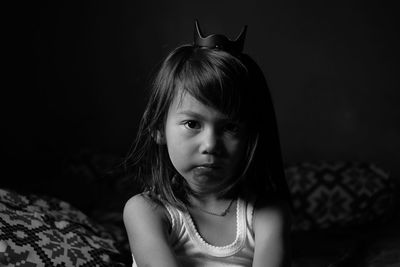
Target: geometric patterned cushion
{"x": 112, "y": 221}
{"x": 338, "y": 194}
{"x": 44, "y": 231}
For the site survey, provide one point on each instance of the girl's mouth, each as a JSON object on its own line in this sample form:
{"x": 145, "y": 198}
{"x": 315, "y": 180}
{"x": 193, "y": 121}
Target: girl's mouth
{"x": 207, "y": 169}
{"x": 210, "y": 166}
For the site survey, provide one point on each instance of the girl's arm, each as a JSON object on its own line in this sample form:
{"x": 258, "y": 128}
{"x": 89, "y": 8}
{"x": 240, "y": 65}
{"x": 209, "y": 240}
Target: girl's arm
{"x": 146, "y": 224}
{"x": 271, "y": 229}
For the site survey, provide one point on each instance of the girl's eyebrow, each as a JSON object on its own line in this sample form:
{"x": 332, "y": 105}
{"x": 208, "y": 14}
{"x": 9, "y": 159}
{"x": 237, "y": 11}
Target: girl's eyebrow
{"x": 190, "y": 114}
{"x": 199, "y": 116}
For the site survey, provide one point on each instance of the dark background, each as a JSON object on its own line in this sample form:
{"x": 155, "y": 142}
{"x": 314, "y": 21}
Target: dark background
{"x": 75, "y": 77}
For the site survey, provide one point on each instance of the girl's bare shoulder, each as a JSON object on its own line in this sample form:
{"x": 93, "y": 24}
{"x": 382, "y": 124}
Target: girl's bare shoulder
{"x": 147, "y": 228}
{"x": 143, "y": 207}
{"x": 273, "y": 213}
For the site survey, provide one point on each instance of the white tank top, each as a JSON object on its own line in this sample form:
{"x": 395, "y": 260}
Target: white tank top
{"x": 191, "y": 250}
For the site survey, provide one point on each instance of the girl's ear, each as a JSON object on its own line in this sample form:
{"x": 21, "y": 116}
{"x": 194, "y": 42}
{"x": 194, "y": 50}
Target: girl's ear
{"x": 158, "y": 137}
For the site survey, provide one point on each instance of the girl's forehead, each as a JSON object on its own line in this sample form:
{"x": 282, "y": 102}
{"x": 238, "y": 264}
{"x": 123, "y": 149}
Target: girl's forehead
{"x": 184, "y": 99}
{"x": 185, "y": 103}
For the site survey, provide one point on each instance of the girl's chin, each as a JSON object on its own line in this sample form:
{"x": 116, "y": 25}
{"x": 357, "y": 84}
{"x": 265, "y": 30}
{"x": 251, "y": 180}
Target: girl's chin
{"x": 202, "y": 181}
{"x": 205, "y": 177}
{"x": 205, "y": 180}
{"x": 204, "y": 184}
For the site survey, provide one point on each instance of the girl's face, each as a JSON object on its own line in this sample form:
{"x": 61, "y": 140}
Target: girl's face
{"x": 205, "y": 147}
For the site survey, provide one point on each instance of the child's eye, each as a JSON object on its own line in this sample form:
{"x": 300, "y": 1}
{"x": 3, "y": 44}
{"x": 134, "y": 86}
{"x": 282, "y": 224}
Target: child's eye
{"x": 191, "y": 124}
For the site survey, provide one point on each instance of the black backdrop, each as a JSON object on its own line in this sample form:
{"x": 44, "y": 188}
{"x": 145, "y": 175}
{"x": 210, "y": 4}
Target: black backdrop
{"x": 75, "y": 76}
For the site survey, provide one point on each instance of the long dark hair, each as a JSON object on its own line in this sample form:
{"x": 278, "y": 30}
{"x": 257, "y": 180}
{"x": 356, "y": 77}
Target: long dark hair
{"x": 235, "y": 86}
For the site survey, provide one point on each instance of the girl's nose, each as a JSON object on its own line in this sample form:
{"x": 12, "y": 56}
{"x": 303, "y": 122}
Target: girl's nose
{"x": 209, "y": 142}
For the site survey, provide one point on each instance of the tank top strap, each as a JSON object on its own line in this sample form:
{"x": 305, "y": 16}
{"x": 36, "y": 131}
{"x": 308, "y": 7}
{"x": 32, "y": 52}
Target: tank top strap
{"x": 172, "y": 214}
{"x": 176, "y": 217}
{"x": 250, "y": 214}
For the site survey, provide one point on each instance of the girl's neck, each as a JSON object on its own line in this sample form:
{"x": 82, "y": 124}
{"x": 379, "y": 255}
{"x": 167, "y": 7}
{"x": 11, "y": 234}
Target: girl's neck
{"x": 210, "y": 198}
{"x": 209, "y": 202}
{"x": 203, "y": 199}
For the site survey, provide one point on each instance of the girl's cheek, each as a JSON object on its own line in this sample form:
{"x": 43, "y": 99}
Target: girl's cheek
{"x": 186, "y": 134}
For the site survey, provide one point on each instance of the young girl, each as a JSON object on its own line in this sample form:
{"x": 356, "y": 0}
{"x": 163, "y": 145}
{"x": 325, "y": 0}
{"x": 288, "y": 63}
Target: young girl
{"x": 207, "y": 154}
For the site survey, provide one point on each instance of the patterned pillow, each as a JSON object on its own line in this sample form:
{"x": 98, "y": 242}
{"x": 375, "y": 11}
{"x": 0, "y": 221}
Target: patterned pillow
{"x": 337, "y": 194}
{"x": 43, "y": 231}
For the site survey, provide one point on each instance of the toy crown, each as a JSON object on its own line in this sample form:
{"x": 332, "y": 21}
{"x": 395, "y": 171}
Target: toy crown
{"x": 219, "y": 41}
